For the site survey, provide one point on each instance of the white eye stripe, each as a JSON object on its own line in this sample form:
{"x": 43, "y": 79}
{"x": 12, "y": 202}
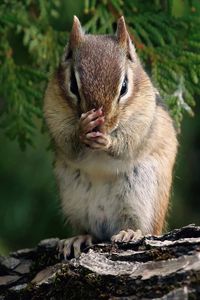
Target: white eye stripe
{"x": 73, "y": 84}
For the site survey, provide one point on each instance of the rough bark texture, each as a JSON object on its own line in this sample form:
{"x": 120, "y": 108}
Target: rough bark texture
{"x": 165, "y": 267}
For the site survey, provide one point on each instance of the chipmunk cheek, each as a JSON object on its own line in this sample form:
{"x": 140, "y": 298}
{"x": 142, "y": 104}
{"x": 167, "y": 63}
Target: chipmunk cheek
{"x": 109, "y": 125}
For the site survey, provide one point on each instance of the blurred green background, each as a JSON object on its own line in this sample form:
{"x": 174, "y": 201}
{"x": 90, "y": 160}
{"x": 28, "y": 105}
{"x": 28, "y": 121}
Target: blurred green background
{"x": 29, "y": 201}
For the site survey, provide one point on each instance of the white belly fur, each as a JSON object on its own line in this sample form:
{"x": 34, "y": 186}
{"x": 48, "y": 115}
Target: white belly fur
{"x": 102, "y": 206}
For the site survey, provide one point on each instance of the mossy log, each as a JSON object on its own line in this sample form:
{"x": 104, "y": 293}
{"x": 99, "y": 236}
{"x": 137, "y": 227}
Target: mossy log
{"x": 164, "y": 267}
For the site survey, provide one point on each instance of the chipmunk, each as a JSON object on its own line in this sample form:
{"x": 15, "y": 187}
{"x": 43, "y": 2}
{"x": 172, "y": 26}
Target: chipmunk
{"x": 115, "y": 143}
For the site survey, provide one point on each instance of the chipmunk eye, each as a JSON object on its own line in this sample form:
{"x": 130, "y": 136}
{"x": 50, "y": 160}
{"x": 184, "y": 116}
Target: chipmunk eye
{"x": 124, "y": 87}
{"x": 74, "y": 85}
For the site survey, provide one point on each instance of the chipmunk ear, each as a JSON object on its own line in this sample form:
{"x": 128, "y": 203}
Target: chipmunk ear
{"x": 124, "y": 39}
{"x": 75, "y": 38}
{"x": 76, "y": 35}
{"x": 122, "y": 34}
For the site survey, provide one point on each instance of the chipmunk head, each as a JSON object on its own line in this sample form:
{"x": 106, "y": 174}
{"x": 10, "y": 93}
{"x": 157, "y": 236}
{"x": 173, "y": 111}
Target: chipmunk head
{"x": 99, "y": 71}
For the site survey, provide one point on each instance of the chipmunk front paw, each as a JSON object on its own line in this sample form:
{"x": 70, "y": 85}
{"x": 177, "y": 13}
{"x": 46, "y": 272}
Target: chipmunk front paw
{"x": 89, "y": 133}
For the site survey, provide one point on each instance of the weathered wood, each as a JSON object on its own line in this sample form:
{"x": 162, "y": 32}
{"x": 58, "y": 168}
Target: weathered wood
{"x": 165, "y": 267}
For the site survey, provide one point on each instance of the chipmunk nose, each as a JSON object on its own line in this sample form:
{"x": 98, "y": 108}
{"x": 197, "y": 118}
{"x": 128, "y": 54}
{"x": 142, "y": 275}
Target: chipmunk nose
{"x": 96, "y": 105}
{"x": 92, "y": 105}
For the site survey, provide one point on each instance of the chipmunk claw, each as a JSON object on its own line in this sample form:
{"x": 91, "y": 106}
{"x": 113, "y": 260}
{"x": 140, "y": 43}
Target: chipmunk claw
{"x": 72, "y": 247}
{"x": 125, "y": 236}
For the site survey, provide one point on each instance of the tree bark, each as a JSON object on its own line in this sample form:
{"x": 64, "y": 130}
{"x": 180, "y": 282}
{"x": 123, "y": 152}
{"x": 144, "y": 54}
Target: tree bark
{"x": 164, "y": 267}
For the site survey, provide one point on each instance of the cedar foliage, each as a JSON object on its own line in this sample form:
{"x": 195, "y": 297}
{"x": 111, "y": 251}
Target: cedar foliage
{"x": 165, "y": 33}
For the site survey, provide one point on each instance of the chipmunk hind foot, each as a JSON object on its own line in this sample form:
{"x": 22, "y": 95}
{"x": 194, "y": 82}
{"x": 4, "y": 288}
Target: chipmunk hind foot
{"x": 125, "y": 236}
{"x": 74, "y": 246}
